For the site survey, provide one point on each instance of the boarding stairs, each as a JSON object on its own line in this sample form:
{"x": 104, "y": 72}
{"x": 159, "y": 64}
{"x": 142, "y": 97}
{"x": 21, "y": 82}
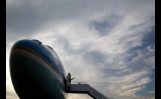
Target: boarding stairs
{"x": 85, "y": 88}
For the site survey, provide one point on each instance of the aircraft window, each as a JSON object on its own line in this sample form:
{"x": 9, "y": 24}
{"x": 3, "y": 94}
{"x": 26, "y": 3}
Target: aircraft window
{"x": 49, "y": 47}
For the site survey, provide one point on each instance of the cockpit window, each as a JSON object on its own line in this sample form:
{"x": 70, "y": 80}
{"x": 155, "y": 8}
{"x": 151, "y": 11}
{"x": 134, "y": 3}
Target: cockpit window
{"x": 35, "y": 40}
{"x": 49, "y": 47}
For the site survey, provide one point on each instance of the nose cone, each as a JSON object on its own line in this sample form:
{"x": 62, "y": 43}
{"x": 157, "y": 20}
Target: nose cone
{"x": 33, "y": 71}
{"x": 26, "y": 70}
{"x": 21, "y": 68}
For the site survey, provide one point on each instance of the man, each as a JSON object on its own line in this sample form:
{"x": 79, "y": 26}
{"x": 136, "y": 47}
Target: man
{"x": 68, "y": 81}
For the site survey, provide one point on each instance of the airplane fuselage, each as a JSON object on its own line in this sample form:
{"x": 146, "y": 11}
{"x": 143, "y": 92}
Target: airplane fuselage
{"x": 36, "y": 71}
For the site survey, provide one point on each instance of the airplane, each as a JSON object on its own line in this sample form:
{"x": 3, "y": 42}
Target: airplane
{"x": 37, "y": 73}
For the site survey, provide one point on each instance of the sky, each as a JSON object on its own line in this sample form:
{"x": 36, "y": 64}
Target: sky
{"x": 108, "y": 43}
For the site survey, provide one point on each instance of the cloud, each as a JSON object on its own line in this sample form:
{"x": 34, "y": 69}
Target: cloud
{"x": 151, "y": 92}
{"x": 104, "y": 26}
{"x": 102, "y": 42}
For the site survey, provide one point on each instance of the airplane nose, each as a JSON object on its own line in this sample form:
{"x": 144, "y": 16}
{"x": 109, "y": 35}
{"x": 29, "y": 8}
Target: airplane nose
{"x": 22, "y": 67}
{"x": 30, "y": 71}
